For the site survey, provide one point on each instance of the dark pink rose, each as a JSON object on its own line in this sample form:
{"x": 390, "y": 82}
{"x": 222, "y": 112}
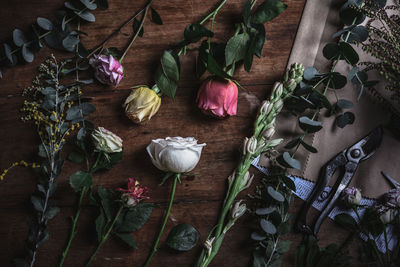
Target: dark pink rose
{"x": 107, "y": 69}
{"x": 218, "y": 97}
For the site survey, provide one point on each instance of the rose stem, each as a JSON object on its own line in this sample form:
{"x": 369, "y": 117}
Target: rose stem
{"x": 171, "y": 200}
{"x": 78, "y": 212}
{"x": 138, "y": 30}
{"x": 106, "y": 236}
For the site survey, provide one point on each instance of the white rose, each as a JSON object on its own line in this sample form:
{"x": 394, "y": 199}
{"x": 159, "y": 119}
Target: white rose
{"x": 175, "y": 154}
{"x": 106, "y": 141}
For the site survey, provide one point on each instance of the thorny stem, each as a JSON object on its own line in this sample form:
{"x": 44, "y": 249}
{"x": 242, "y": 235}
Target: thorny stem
{"x": 171, "y": 200}
{"x": 106, "y": 236}
{"x": 138, "y": 30}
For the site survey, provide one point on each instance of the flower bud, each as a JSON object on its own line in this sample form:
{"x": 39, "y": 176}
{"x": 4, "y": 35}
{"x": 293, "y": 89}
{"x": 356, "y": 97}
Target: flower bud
{"x": 392, "y": 198}
{"x": 238, "y": 210}
{"x": 266, "y": 107}
{"x": 251, "y": 146}
{"x": 218, "y": 97}
{"x": 246, "y": 181}
{"x": 107, "y": 69}
{"x": 278, "y": 105}
{"x": 134, "y": 194}
{"x": 208, "y": 244}
{"x": 142, "y": 104}
{"x": 386, "y": 214}
{"x": 351, "y": 196}
{"x": 106, "y": 141}
{"x": 277, "y": 91}
{"x": 273, "y": 143}
{"x": 290, "y": 85}
{"x": 269, "y": 132}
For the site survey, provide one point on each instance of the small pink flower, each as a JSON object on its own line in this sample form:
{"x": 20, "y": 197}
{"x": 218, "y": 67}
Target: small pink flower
{"x": 134, "y": 194}
{"x": 107, "y": 69}
{"x": 351, "y": 196}
{"x": 218, "y": 97}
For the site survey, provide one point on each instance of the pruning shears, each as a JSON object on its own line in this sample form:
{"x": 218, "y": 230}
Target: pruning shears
{"x": 347, "y": 162}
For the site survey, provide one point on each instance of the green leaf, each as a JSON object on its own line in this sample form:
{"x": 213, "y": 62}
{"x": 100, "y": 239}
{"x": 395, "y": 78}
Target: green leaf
{"x": 89, "y": 4}
{"x": 357, "y": 35}
{"x": 348, "y": 52}
{"x": 214, "y": 68}
{"x": 155, "y": 17}
{"x": 167, "y": 74}
{"x": 135, "y": 218}
{"x": 246, "y": 12}
{"x": 19, "y": 37}
{"x": 345, "y": 119}
{"x": 275, "y": 194}
{"x": 310, "y": 73}
{"x": 76, "y": 157}
{"x": 345, "y": 104}
{"x": 7, "y": 52}
{"x": 80, "y": 179}
{"x": 70, "y": 42}
{"x": 308, "y": 147}
{"x": 331, "y": 51}
{"x": 52, "y": 212}
{"x": 44, "y": 23}
{"x": 257, "y": 236}
{"x": 106, "y": 200}
{"x": 268, "y": 10}
{"x": 288, "y": 182}
{"x": 349, "y": 15}
{"x": 265, "y": 211}
{"x": 293, "y": 143}
{"x": 309, "y": 125}
{"x": 136, "y": 25}
{"x": 194, "y": 32}
{"x": 102, "y": 4}
{"x": 283, "y": 246}
{"x": 182, "y": 237}
{"x": 267, "y": 227}
{"x": 74, "y": 113}
{"x": 259, "y": 39}
{"x": 287, "y": 161}
{"x": 27, "y": 54}
{"x": 346, "y": 221}
{"x": 236, "y": 48}
{"x": 69, "y": 5}
{"x": 86, "y": 15}
{"x": 128, "y": 239}
{"x": 37, "y": 203}
{"x": 100, "y": 225}
{"x": 284, "y": 228}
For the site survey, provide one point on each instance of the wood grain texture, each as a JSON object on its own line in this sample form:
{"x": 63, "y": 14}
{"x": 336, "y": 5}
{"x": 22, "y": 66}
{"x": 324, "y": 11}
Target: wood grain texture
{"x": 198, "y": 199}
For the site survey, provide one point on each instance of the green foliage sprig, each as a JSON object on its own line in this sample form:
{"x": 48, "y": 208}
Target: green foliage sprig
{"x": 311, "y": 97}
{"x": 82, "y": 181}
{"x": 383, "y": 42}
{"x": 272, "y": 200}
{"x": 57, "y": 35}
{"x": 56, "y": 109}
{"x": 219, "y": 59}
{"x": 260, "y": 142}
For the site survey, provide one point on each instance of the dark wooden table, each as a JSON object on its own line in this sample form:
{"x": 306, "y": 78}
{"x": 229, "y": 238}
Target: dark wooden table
{"x": 198, "y": 200}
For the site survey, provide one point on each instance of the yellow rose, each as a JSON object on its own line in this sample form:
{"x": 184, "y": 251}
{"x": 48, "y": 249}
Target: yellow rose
{"x": 142, "y": 104}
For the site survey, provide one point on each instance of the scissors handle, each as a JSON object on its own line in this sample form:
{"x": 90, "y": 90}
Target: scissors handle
{"x": 325, "y": 175}
{"x": 350, "y": 169}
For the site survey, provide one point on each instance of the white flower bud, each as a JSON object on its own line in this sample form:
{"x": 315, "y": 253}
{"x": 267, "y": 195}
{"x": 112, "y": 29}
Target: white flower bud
{"x": 231, "y": 178}
{"x": 208, "y": 244}
{"x": 246, "y": 181}
{"x": 269, "y": 132}
{"x": 238, "y": 210}
{"x": 266, "y": 107}
{"x": 277, "y": 90}
{"x": 278, "y": 105}
{"x": 274, "y": 142}
{"x": 251, "y": 146}
{"x": 106, "y": 141}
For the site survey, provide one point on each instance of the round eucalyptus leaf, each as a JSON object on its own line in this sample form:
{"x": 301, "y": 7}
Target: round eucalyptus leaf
{"x": 345, "y": 104}
{"x": 348, "y": 52}
{"x": 310, "y": 73}
{"x": 70, "y": 42}
{"x": 345, "y": 119}
{"x": 9, "y": 55}
{"x": 89, "y": 4}
{"x": 86, "y": 15}
{"x": 268, "y": 227}
{"x": 19, "y": 37}
{"x": 258, "y": 237}
{"x": 357, "y": 34}
{"x": 349, "y": 15}
{"x": 265, "y": 211}
{"x": 69, "y": 5}
{"x": 44, "y": 23}
{"x": 182, "y": 237}
{"x": 275, "y": 194}
{"x": 309, "y": 125}
{"x": 27, "y": 54}
{"x": 331, "y": 51}
{"x": 337, "y": 80}
{"x": 287, "y": 161}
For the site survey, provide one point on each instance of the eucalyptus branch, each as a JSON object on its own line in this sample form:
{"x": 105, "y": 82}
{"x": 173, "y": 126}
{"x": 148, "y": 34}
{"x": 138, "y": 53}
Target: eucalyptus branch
{"x": 264, "y": 128}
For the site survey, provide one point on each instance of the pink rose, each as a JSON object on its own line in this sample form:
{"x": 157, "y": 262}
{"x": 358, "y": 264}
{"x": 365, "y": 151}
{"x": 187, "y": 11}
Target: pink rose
{"x": 218, "y": 97}
{"x": 107, "y": 69}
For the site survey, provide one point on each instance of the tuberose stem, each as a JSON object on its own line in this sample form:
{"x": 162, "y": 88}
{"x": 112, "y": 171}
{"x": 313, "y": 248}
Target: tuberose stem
{"x": 105, "y": 237}
{"x": 171, "y": 200}
{"x": 74, "y": 222}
